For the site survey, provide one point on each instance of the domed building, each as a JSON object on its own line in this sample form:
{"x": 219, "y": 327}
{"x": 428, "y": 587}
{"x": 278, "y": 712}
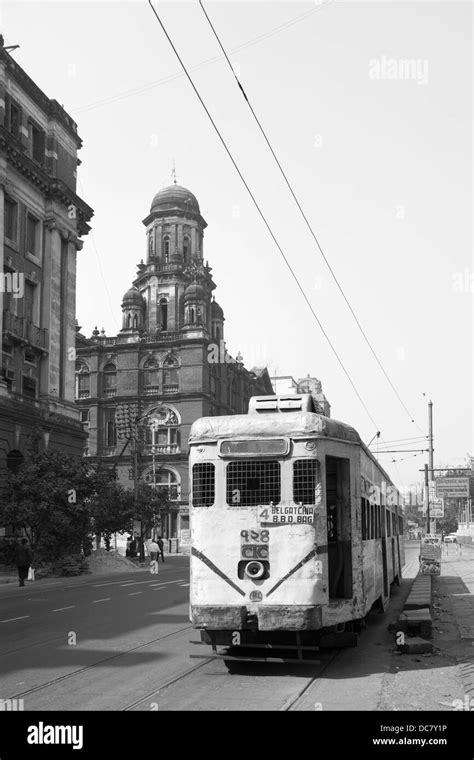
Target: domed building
{"x": 168, "y": 365}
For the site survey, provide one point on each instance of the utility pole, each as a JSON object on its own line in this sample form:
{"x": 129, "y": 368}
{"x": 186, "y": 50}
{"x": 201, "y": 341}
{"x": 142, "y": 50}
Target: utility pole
{"x": 427, "y": 499}
{"x": 430, "y": 430}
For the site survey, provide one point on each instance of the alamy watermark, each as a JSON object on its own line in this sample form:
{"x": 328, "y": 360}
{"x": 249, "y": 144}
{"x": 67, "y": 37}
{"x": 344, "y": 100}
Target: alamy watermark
{"x": 12, "y": 282}
{"x": 399, "y": 69}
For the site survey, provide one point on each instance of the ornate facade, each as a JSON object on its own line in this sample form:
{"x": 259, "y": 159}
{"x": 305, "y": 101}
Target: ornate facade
{"x": 168, "y": 364}
{"x": 41, "y": 223}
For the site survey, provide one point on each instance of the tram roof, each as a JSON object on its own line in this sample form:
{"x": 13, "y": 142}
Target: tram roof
{"x": 268, "y": 425}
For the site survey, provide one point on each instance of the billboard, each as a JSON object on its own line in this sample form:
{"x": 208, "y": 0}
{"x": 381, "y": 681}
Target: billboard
{"x": 452, "y": 488}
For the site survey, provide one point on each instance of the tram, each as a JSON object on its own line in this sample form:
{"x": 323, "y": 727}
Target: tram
{"x": 296, "y": 532}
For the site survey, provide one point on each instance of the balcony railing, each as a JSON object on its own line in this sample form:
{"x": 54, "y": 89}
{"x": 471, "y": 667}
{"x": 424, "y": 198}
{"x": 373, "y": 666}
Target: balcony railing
{"x": 84, "y": 394}
{"x": 151, "y": 390}
{"x": 172, "y": 388}
{"x": 109, "y": 392}
{"x": 109, "y": 451}
{"x": 25, "y": 330}
{"x": 161, "y": 337}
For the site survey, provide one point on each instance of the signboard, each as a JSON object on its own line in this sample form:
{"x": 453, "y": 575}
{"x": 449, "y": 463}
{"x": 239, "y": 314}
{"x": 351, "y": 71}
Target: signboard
{"x": 297, "y": 515}
{"x": 430, "y": 555}
{"x": 436, "y": 508}
{"x": 454, "y": 488}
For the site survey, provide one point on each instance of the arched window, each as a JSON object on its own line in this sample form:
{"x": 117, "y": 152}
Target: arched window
{"x": 135, "y": 321}
{"x": 186, "y": 249}
{"x": 150, "y": 377}
{"x": 151, "y": 242}
{"x": 191, "y": 313}
{"x": 14, "y": 460}
{"x": 110, "y": 379}
{"x": 82, "y": 380}
{"x": 170, "y": 375}
{"x": 166, "y": 249}
{"x": 164, "y": 314}
{"x": 162, "y": 431}
{"x": 218, "y": 332}
{"x": 129, "y": 320}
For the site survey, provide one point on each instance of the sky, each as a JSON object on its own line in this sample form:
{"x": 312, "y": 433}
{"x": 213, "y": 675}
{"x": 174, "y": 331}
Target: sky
{"x": 369, "y": 109}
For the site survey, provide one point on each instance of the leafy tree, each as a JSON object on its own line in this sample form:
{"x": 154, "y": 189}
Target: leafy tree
{"x": 151, "y": 505}
{"x": 48, "y": 497}
{"x": 112, "y": 508}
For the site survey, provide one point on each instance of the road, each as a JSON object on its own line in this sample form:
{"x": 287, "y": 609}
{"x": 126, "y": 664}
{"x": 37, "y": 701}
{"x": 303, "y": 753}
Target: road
{"x": 123, "y": 643}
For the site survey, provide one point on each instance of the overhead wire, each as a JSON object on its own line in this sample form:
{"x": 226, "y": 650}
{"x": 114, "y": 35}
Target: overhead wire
{"x": 172, "y": 77}
{"x": 308, "y": 224}
{"x": 262, "y": 215}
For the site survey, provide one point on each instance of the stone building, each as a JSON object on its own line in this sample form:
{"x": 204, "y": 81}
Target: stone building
{"x": 168, "y": 364}
{"x": 41, "y": 223}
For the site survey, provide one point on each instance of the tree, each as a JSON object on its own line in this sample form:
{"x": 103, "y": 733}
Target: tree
{"x": 112, "y": 508}
{"x": 48, "y": 497}
{"x": 151, "y": 505}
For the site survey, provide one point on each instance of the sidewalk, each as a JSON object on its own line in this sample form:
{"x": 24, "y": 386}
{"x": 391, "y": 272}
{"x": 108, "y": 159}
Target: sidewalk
{"x": 443, "y": 680}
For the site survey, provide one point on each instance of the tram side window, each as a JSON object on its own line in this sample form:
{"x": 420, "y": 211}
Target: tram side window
{"x": 400, "y": 525}
{"x": 388, "y": 521}
{"x": 252, "y": 483}
{"x": 394, "y": 525}
{"x": 306, "y": 480}
{"x": 364, "y": 519}
{"x": 203, "y": 485}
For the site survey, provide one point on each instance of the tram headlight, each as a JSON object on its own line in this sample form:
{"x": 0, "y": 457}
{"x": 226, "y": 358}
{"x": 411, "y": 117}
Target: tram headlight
{"x": 254, "y": 569}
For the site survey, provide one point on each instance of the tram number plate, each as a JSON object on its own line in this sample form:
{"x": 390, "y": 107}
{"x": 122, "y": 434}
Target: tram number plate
{"x": 297, "y": 515}
{"x": 254, "y": 544}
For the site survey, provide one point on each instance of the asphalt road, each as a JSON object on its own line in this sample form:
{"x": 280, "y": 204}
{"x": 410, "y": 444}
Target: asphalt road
{"x": 94, "y": 644}
{"x": 123, "y": 642}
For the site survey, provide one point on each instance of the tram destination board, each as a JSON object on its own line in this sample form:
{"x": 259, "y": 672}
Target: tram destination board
{"x": 300, "y": 514}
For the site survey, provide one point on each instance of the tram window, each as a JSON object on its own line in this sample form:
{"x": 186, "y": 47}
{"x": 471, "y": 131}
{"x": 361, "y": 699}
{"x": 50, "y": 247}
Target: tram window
{"x": 379, "y": 521}
{"x": 388, "y": 521}
{"x": 251, "y": 483}
{"x": 203, "y": 485}
{"x": 394, "y": 525}
{"x": 364, "y": 519}
{"x": 305, "y": 480}
{"x": 400, "y": 525}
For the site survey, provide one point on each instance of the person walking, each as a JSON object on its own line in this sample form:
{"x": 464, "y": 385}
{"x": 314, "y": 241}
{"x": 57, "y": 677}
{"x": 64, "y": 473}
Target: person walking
{"x": 153, "y": 549}
{"x": 160, "y": 547}
{"x": 23, "y": 559}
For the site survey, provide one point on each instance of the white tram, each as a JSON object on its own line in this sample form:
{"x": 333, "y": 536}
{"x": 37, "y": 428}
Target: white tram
{"x": 296, "y": 531}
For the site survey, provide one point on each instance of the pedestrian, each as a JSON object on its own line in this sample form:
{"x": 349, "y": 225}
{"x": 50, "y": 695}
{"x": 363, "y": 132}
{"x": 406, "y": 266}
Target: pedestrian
{"x": 153, "y": 549}
{"x": 160, "y": 547}
{"x": 23, "y": 559}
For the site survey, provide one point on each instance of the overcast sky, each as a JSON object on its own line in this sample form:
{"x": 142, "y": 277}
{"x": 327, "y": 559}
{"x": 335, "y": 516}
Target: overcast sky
{"x": 369, "y": 108}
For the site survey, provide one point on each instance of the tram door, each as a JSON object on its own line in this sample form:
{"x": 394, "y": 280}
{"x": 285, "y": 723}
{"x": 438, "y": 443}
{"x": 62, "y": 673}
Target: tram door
{"x": 384, "y": 563}
{"x": 339, "y": 528}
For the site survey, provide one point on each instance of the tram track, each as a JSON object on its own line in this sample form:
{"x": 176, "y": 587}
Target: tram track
{"x": 80, "y": 671}
{"x": 292, "y": 702}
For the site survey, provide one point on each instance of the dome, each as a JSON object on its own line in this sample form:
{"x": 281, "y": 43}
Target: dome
{"x": 216, "y": 309}
{"x": 175, "y": 196}
{"x": 132, "y": 297}
{"x": 194, "y": 292}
